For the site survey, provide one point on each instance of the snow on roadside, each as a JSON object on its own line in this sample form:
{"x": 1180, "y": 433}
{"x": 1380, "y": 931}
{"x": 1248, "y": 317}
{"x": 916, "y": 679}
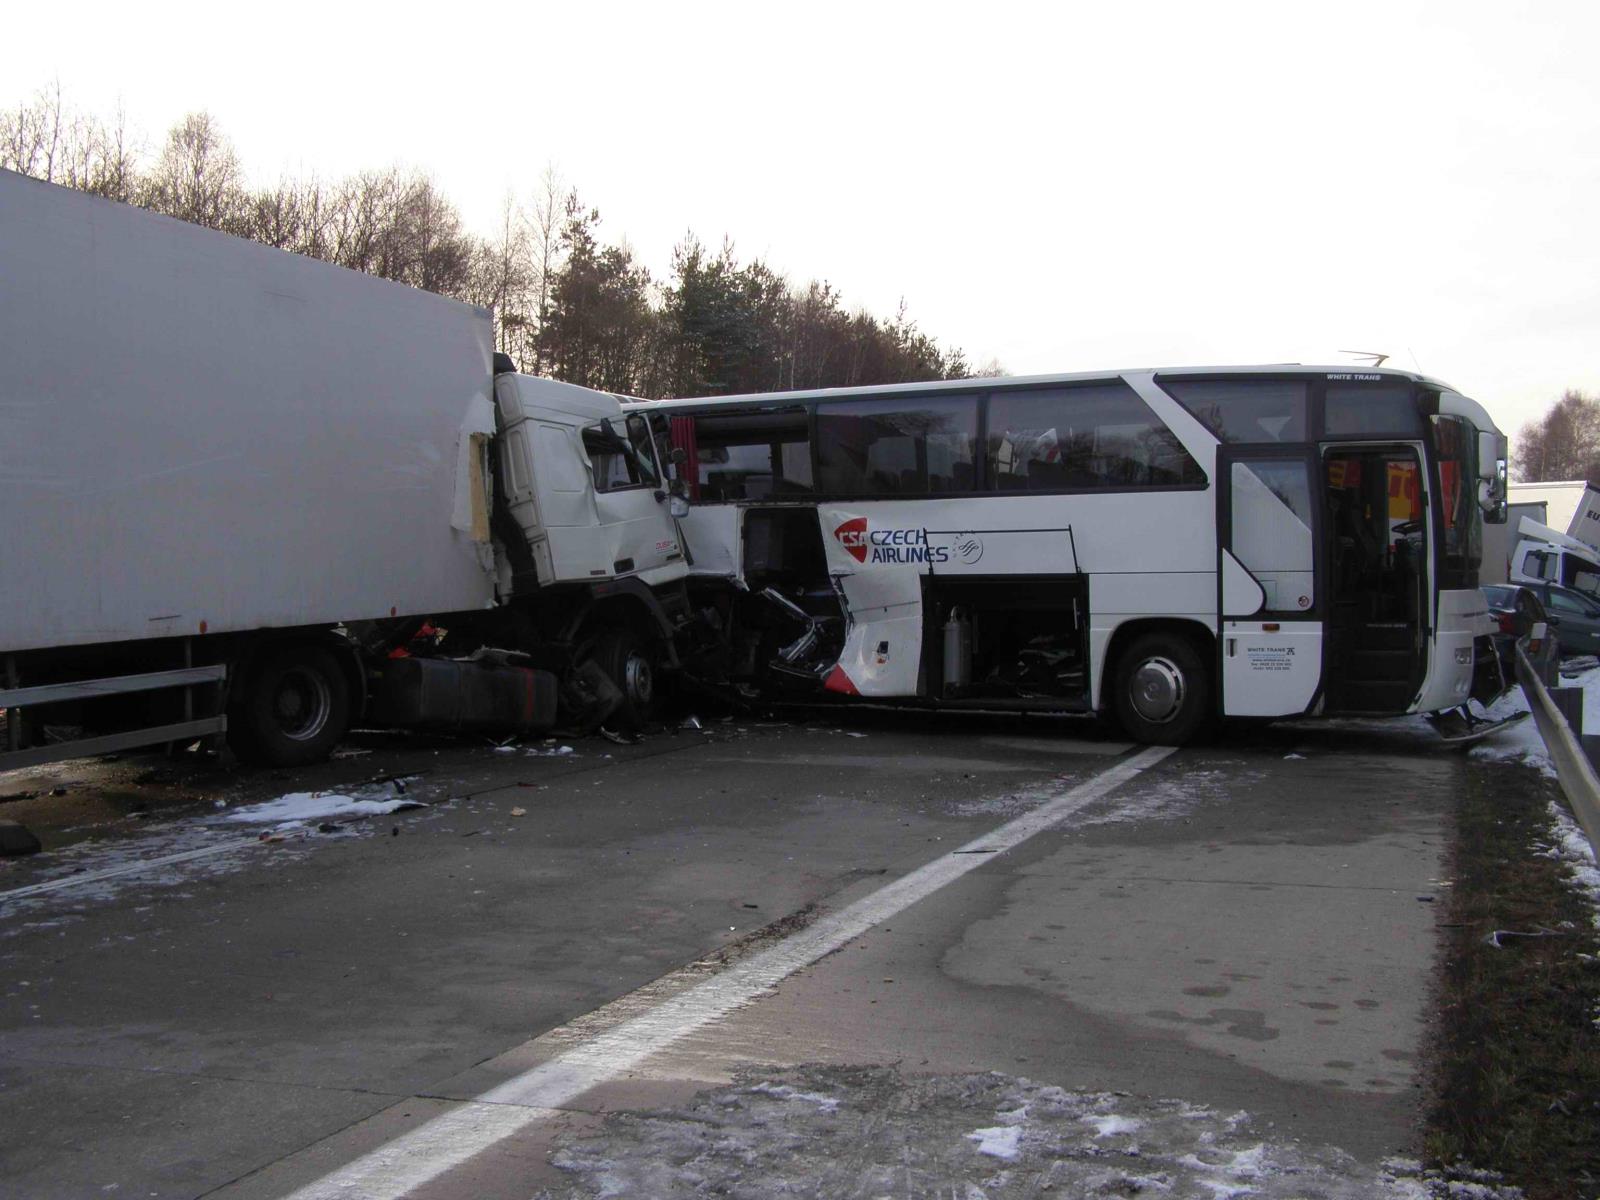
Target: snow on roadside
{"x": 205, "y": 847}
{"x": 1521, "y": 743}
{"x": 1572, "y": 848}
{"x": 765, "y": 1136}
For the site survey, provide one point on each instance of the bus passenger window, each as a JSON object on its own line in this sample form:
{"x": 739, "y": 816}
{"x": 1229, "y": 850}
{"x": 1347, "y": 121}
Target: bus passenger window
{"x": 751, "y": 456}
{"x": 1098, "y": 436}
{"x": 1244, "y": 410}
{"x": 887, "y": 447}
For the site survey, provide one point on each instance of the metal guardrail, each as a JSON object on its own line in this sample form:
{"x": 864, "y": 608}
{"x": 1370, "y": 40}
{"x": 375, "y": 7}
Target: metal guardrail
{"x": 1576, "y": 773}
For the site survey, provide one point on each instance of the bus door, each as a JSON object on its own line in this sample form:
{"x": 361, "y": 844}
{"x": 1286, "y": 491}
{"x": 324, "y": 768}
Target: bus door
{"x": 1268, "y": 551}
{"x": 1378, "y": 593}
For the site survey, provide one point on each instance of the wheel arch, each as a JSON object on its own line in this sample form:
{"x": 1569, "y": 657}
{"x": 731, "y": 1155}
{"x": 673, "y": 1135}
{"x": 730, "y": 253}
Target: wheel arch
{"x": 247, "y": 655}
{"x": 632, "y": 608}
{"x": 1123, "y": 635}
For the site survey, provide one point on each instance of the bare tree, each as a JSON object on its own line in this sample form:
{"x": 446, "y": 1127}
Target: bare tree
{"x": 1562, "y": 444}
{"x": 502, "y": 278}
{"x": 197, "y": 178}
{"x": 551, "y": 201}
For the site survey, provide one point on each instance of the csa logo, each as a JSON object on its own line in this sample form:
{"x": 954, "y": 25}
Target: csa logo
{"x": 852, "y": 536}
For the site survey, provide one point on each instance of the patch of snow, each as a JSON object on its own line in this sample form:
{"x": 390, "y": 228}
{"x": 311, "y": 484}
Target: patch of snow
{"x": 784, "y": 1092}
{"x": 297, "y": 808}
{"x": 551, "y": 751}
{"x": 888, "y": 1133}
{"x": 997, "y": 1141}
{"x": 1113, "y": 1125}
{"x": 1521, "y": 743}
{"x": 1572, "y": 847}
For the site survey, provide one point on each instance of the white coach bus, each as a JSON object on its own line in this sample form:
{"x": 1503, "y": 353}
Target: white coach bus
{"x": 1167, "y": 546}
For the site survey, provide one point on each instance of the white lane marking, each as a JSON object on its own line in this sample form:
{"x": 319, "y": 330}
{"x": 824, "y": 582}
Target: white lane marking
{"x": 446, "y": 1141}
{"x": 144, "y": 864}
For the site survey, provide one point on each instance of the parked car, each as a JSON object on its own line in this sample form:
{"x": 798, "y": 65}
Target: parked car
{"x": 1515, "y": 609}
{"x": 1575, "y": 615}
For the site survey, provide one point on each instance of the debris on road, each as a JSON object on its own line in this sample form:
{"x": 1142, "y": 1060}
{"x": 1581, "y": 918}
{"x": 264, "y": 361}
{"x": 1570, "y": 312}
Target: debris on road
{"x": 519, "y": 812}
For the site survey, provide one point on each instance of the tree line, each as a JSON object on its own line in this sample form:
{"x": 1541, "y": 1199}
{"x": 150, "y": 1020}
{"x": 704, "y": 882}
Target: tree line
{"x": 568, "y": 302}
{"x": 1562, "y": 444}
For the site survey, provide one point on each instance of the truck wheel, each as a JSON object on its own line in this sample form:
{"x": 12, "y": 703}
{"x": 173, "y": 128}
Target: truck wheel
{"x": 1162, "y": 691}
{"x": 629, "y": 663}
{"x": 294, "y": 709}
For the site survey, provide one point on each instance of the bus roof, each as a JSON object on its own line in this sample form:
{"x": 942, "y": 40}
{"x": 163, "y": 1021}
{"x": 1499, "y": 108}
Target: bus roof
{"x": 1013, "y": 381}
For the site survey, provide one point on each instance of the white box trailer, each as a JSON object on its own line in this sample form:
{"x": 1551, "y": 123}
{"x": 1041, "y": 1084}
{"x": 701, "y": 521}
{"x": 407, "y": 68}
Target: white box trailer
{"x": 216, "y": 436}
{"x": 220, "y": 461}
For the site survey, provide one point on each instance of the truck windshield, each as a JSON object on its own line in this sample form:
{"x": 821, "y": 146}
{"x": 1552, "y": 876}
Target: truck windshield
{"x": 1579, "y": 575}
{"x": 621, "y": 454}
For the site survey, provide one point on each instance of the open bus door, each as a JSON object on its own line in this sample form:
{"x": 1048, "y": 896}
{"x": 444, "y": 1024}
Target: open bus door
{"x": 1269, "y": 522}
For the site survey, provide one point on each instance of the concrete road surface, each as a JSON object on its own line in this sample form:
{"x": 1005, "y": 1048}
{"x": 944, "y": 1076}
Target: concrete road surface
{"x": 1222, "y": 951}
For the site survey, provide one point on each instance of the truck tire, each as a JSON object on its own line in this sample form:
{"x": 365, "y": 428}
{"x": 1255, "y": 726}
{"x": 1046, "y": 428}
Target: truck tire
{"x": 1161, "y": 693}
{"x": 293, "y": 708}
{"x": 628, "y": 662}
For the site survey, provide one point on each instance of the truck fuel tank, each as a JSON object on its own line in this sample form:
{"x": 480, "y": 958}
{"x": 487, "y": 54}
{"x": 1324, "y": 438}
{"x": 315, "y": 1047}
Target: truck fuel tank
{"x": 463, "y": 694}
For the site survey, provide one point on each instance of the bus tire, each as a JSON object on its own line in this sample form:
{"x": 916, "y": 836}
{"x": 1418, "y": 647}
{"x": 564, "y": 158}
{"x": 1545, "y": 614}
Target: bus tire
{"x": 1161, "y": 693}
{"x": 293, "y": 709}
{"x": 628, "y": 662}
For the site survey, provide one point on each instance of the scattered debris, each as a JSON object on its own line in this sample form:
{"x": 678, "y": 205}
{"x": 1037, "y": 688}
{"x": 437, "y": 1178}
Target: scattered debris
{"x": 621, "y": 739}
{"x": 519, "y": 812}
{"x": 691, "y": 722}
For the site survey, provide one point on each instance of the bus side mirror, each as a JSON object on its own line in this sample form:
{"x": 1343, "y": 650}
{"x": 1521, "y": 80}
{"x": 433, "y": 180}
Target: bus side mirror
{"x": 1491, "y": 456}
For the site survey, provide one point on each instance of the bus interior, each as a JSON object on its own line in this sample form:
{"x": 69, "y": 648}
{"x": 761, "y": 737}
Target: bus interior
{"x": 1378, "y": 580}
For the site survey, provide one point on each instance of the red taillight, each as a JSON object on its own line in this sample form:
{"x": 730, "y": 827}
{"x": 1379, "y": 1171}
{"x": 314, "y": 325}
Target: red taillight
{"x": 1507, "y": 622}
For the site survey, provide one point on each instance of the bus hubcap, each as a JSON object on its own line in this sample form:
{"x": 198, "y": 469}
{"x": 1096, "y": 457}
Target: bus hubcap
{"x": 1158, "y": 690}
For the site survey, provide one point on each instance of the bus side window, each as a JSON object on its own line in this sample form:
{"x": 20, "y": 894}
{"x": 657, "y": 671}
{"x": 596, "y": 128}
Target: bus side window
{"x": 889, "y": 446}
{"x": 1089, "y": 437}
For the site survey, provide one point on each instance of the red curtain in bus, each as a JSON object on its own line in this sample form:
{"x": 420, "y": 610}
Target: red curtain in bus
{"x": 683, "y": 439}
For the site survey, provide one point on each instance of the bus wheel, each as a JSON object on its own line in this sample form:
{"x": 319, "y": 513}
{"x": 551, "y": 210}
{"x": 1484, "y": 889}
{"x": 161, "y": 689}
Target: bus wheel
{"x": 629, "y": 664}
{"x": 1162, "y": 691}
{"x": 294, "y": 708}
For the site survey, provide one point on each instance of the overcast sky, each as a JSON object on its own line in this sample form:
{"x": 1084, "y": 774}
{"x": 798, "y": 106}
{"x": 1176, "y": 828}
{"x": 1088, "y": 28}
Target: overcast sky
{"x": 1061, "y": 187}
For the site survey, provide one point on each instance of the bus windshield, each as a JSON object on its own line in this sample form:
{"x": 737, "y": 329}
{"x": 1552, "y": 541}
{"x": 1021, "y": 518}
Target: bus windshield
{"x": 1456, "y": 466}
